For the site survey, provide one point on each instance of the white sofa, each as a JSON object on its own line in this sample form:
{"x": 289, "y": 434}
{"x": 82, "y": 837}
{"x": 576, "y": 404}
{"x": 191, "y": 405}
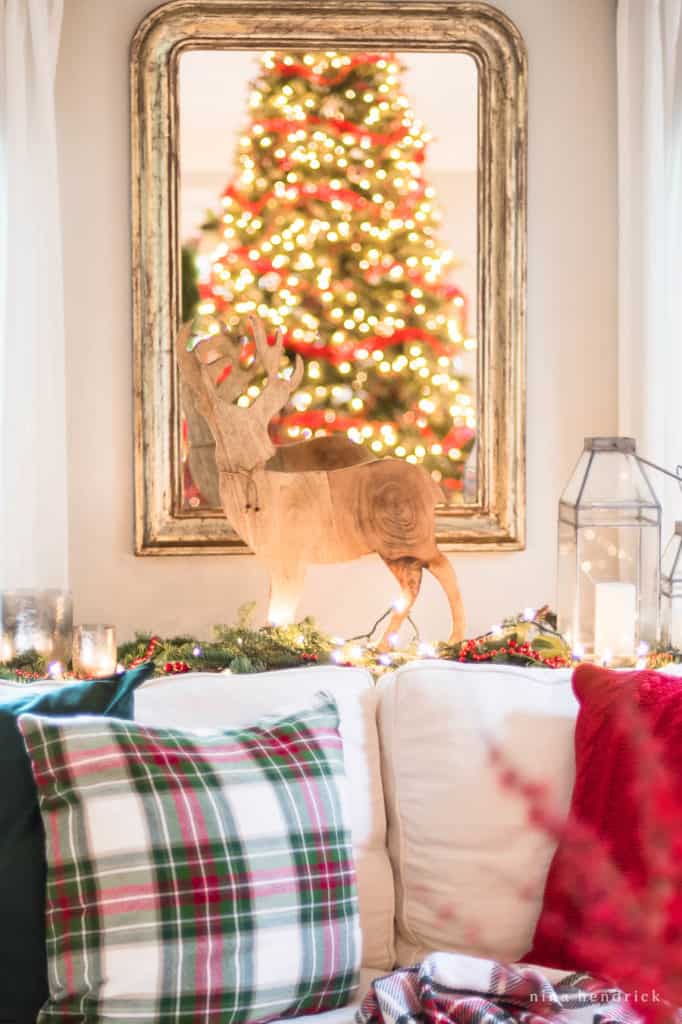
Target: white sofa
{"x": 445, "y": 857}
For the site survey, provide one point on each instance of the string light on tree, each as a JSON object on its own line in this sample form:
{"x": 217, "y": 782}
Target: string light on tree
{"x": 330, "y": 229}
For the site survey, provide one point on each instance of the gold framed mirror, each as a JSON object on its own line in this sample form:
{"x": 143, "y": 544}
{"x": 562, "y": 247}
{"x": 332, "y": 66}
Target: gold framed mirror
{"x": 319, "y": 114}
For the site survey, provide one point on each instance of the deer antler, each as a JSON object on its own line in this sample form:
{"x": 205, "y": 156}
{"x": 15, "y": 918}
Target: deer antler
{"x": 269, "y": 353}
{"x": 212, "y": 371}
{"x": 190, "y": 371}
{"x": 219, "y": 356}
{"x": 275, "y": 394}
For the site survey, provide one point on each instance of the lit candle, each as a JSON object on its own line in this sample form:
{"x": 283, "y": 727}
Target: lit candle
{"x": 6, "y": 648}
{"x": 615, "y": 615}
{"x": 94, "y": 650}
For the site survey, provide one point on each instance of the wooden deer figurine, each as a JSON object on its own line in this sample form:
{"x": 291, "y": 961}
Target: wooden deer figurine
{"x": 318, "y": 501}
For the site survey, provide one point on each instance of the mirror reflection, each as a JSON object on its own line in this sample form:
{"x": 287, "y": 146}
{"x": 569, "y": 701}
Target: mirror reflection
{"x": 334, "y": 195}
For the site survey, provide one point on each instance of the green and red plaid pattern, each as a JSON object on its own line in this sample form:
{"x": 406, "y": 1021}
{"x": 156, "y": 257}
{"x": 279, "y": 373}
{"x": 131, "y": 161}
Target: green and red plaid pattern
{"x": 196, "y": 877}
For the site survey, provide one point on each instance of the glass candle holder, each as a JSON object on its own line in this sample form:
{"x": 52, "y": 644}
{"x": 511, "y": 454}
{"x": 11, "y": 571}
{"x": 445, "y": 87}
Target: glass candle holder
{"x": 94, "y": 650}
{"x": 36, "y": 620}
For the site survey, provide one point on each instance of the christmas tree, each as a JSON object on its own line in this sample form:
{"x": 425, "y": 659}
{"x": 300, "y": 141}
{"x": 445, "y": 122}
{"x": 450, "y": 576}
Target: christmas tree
{"x": 329, "y": 229}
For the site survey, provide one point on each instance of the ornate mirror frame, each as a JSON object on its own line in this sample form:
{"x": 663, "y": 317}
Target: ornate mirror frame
{"x": 497, "y": 521}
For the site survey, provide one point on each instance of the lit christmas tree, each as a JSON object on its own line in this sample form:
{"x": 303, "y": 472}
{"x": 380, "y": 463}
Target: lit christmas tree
{"x": 329, "y": 230}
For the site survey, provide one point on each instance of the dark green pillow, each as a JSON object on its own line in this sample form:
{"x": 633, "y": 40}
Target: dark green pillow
{"x": 23, "y": 964}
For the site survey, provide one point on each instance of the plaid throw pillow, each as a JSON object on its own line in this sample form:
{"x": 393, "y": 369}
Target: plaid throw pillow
{"x": 195, "y": 877}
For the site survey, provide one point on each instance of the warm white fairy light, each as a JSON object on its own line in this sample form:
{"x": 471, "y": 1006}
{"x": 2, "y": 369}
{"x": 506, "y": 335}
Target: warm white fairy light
{"x": 426, "y": 650}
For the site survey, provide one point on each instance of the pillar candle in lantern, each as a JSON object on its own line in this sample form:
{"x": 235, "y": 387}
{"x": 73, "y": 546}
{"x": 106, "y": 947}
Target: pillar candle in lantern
{"x": 615, "y": 618}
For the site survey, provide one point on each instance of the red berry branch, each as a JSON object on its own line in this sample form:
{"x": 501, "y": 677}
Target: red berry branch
{"x": 626, "y": 927}
{"x": 528, "y": 639}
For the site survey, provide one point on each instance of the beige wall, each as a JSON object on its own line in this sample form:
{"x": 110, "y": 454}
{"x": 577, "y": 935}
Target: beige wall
{"x": 571, "y": 333}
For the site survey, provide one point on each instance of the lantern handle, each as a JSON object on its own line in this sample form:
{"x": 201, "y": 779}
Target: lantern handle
{"x": 677, "y": 475}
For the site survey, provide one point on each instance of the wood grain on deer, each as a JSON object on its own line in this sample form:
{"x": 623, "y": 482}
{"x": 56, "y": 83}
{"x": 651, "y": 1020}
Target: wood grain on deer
{"x": 318, "y": 501}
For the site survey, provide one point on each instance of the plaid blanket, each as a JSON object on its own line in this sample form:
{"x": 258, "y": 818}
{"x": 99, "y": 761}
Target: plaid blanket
{"x": 448, "y": 988}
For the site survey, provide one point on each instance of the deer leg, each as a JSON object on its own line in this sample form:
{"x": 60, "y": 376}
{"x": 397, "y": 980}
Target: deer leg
{"x": 441, "y": 568}
{"x": 286, "y": 587}
{"x": 408, "y": 572}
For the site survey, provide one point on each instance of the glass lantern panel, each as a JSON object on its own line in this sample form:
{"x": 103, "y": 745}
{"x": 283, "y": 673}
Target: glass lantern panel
{"x": 613, "y": 608}
{"x": 671, "y": 563}
{"x": 649, "y": 586}
{"x": 671, "y": 592}
{"x": 671, "y": 615}
{"x": 609, "y": 480}
{"x": 574, "y": 486}
{"x": 567, "y": 573}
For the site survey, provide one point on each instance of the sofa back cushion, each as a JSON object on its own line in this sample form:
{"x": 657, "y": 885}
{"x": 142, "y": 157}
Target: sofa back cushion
{"x": 469, "y": 870}
{"x": 200, "y": 700}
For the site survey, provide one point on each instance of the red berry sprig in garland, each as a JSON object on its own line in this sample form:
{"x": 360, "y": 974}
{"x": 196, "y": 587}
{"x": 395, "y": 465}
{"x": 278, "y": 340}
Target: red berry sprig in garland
{"x": 508, "y": 651}
{"x": 152, "y": 648}
{"x": 528, "y": 639}
{"x": 176, "y": 668}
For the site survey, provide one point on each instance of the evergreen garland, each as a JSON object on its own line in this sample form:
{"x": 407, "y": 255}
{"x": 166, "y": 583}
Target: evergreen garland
{"x": 528, "y": 639}
{"x": 239, "y": 649}
{"x": 24, "y": 667}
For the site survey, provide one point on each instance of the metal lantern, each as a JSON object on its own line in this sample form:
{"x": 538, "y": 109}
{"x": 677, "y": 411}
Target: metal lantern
{"x": 671, "y": 591}
{"x": 609, "y": 554}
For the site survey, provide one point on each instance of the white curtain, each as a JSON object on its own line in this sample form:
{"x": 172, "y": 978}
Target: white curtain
{"x": 33, "y": 495}
{"x": 650, "y": 234}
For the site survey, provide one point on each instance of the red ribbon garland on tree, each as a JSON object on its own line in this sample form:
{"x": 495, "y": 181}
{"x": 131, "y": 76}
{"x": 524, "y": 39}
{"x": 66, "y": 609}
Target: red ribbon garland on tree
{"x": 298, "y": 70}
{"x": 280, "y": 125}
{"x": 323, "y": 193}
{"x": 264, "y": 266}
